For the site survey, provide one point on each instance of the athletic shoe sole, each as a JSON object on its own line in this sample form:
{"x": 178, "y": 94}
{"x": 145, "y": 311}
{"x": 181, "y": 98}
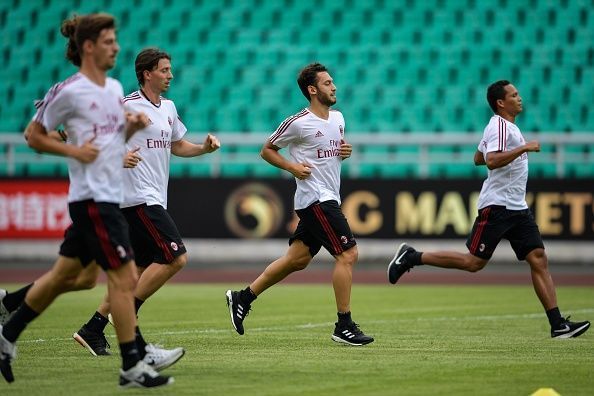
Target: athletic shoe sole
{"x": 229, "y": 298}
{"x": 341, "y": 341}
{"x": 134, "y": 384}
{"x": 82, "y": 342}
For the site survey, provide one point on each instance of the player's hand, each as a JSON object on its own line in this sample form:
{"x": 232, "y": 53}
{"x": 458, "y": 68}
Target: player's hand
{"x": 132, "y": 158}
{"x": 211, "y": 143}
{"x": 136, "y": 122}
{"x": 87, "y": 153}
{"x": 345, "y": 150}
{"x": 533, "y": 145}
{"x": 301, "y": 171}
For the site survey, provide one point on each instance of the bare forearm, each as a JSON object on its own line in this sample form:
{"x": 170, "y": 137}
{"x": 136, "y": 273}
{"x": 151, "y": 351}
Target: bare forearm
{"x": 273, "y": 157}
{"x": 40, "y": 140}
{"x": 187, "y": 150}
{"x": 500, "y": 159}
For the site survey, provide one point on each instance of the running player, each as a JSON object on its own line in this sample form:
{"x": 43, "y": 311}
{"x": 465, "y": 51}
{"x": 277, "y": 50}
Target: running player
{"x": 89, "y": 105}
{"x": 160, "y": 251}
{"x": 315, "y": 137}
{"x": 503, "y": 212}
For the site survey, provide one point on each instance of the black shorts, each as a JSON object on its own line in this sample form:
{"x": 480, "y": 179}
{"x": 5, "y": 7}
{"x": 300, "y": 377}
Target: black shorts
{"x": 154, "y": 235}
{"x": 324, "y": 224}
{"x": 98, "y": 232}
{"x": 495, "y": 223}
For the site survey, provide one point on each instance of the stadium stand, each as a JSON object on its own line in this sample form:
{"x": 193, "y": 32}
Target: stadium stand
{"x": 401, "y": 67}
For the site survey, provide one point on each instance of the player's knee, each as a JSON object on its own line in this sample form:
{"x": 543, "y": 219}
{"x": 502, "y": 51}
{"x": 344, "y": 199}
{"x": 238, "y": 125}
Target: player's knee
{"x": 350, "y": 256}
{"x": 537, "y": 258}
{"x": 300, "y": 263}
{"x": 179, "y": 262}
{"x": 475, "y": 264}
{"x": 85, "y": 282}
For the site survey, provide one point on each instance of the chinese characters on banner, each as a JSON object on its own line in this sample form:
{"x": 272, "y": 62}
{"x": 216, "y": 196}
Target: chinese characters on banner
{"x": 33, "y": 208}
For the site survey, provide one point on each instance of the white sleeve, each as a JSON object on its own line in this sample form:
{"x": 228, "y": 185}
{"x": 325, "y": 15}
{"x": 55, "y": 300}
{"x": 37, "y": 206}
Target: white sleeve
{"x": 287, "y": 132}
{"x": 495, "y": 137}
{"x": 54, "y": 108}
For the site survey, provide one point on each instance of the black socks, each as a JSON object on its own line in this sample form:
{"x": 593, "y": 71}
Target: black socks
{"x": 129, "y": 353}
{"x": 21, "y": 318}
{"x": 344, "y": 318}
{"x": 97, "y": 323}
{"x": 13, "y": 300}
{"x": 140, "y": 343}
{"x": 247, "y": 295}
{"x": 554, "y": 317}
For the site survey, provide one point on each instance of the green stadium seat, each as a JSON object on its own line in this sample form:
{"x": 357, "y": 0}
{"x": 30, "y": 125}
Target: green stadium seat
{"x": 405, "y": 67}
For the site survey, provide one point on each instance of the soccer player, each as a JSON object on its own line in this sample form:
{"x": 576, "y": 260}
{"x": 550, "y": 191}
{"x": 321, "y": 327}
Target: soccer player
{"x": 315, "y": 137}
{"x": 89, "y": 105}
{"x": 160, "y": 251}
{"x": 502, "y": 211}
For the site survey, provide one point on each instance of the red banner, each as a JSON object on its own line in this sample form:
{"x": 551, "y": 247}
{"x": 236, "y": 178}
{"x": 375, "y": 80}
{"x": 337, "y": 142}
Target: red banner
{"x": 33, "y": 208}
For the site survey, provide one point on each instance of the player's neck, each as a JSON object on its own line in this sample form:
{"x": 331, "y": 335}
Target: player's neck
{"x": 507, "y": 117}
{"x": 320, "y": 110}
{"x": 93, "y": 73}
{"x": 153, "y": 96}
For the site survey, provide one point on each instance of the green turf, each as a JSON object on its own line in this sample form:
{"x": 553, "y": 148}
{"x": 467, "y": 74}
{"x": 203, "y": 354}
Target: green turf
{"x": 430, "y": 340}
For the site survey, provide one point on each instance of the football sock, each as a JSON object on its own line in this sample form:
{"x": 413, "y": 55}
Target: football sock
{"x": 554, "y": 316}
{"x": 129, "y": 353}
{"x": 137, "y": 304}
{"x": 21, "y": 318}
{"x": 140, "y": 343}
{"x": 415, "y": 258}
{"x": 344, "y": 317}
{"x": 247, "y": 295}
{"x": 97, "y": 323}
{"x": 13, "y": 300}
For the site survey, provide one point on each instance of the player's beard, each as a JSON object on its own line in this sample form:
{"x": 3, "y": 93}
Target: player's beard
{"x": 327, "y": 100}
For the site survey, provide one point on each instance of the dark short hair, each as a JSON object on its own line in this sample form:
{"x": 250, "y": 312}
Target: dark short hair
{"x": 495, "y": 92}
{"x": 309, "y": 76}
{"x": 148, "y": 59}
{"x": 80, "y": 28}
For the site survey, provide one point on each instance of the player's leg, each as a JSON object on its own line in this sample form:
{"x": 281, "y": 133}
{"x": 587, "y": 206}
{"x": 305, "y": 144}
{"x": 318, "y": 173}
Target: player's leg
{"x": 91, "y": 335}
{"x": 328, "y": 225}
{"x": 486, "y": 233}
{"x": 297, "y": 257}
{"x": 526, "y": 242}
{"x": 10, "y": 301}
{"x": 42, "y": 293}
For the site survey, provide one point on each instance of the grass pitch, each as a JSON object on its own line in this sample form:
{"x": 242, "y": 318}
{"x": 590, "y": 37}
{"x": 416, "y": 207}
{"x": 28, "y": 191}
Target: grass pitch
{"x": 429, "y": 340}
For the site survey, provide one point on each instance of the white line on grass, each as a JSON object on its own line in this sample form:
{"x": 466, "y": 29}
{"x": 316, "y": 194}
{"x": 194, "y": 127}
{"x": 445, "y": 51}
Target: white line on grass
{"x": 325, "y": 324}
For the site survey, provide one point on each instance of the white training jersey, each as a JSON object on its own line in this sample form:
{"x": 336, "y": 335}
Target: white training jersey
{"x": 147, "y": 182}
{"x": 89, "y": 111}
{"x": 314, "y": 141}
{"x": 505, "y": 186}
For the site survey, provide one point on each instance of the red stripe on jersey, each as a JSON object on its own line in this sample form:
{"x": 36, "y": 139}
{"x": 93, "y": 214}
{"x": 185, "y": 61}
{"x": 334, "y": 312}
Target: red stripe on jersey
{"x": 479, "y": 230}
{"x": 285, "y": 125}
{"x": 108, "y": 249}
{"x": 51, "y": 95}
{"x": 154, "y": 233}
{"x": 327, "y": 228}
{"x": 133, "y": 96}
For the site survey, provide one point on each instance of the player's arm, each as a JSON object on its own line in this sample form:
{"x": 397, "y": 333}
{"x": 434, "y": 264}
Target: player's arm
{"x": 39, "y": 139}
{"x": 134, "y": 123}
{"x": 479, "y": 159}
{"x": 498, "y": 159}
{"x": 184, "y": 148}
{"x": 271, "y": 155}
